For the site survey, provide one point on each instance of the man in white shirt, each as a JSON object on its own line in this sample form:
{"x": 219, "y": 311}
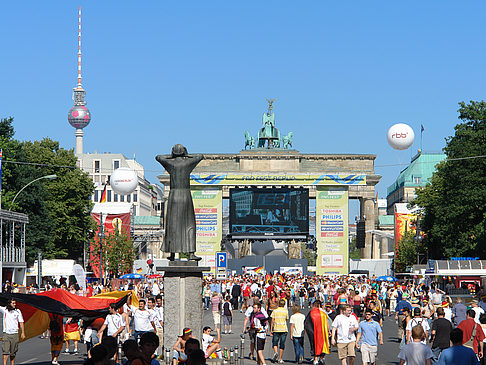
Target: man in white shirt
{"x": 12, "y": 320}
{"x": 478, "y": 310}
{"x": 417, "y": 320}
{"x": 114, "y": 324}
{"x": 141, "y": 319}
{"x": 157, "y": 318}
{"x": 344, "y": 326}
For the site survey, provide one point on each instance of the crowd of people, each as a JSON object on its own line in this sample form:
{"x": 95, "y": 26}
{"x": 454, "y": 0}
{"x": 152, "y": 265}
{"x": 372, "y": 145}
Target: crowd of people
{"x": 348, "y": 313}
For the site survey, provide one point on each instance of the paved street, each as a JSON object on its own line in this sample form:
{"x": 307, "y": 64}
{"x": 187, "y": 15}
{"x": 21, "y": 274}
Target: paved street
{"x": 36, "y": 350}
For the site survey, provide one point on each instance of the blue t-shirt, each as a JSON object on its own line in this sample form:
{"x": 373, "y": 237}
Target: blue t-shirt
{"x": 369, "y": 332}
{"x": 403, "y": 304}
{"x": 458, "y": 355}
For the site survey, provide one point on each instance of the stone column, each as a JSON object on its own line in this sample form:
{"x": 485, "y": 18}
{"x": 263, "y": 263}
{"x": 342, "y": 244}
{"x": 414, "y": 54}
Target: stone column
{"x": 368, "y": 210}
{"x": 182, "y": 300}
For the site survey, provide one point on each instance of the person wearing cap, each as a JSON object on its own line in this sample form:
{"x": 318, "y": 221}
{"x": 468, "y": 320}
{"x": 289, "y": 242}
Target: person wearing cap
{"x": 417, "y": 320}
{"x": 399, "y": 315}
{"x": 482, "y": 303}
{"x": 180, "y": 345}
{"x": 477, "y": 310}
{"x": 447, "y": 310}
{"x": 369, "y": 333}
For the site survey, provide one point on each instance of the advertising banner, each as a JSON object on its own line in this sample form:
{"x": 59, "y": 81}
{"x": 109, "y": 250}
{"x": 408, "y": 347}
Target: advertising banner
{"x": 278, "y": 179}
{"x": 208, "y": 206}
{"x": 332, "y": 230}
{"x": 404, "y": 223}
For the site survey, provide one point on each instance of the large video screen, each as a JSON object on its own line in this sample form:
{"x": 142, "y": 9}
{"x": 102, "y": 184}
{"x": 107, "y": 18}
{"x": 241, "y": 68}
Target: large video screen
{"x": 265, "y": 211}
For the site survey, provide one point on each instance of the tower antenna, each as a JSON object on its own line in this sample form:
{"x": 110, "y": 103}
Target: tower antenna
{"x": 79, "y": 49}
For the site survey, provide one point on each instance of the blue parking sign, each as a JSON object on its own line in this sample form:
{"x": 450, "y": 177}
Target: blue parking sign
{"x": 222, "y": 259}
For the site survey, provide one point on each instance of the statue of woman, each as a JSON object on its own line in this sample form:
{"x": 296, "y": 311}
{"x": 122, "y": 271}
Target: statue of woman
{"x": 180, "y": 228}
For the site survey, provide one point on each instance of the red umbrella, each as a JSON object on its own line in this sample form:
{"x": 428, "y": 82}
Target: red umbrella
{"x": 154, "y": 276}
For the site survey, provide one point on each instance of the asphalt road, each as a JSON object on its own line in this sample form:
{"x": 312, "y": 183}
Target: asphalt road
{"x": 36, "y": 351}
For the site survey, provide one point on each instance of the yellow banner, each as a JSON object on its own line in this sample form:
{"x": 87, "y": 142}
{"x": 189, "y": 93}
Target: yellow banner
{"x": 404, "y": 223}
{"x": 208, "y": 206}
{"x": 332, "y": 230}
{"x": 278, "y": 179}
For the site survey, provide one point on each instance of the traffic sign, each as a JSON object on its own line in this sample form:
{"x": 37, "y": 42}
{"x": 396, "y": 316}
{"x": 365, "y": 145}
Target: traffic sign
{"x": 221, "y": 259}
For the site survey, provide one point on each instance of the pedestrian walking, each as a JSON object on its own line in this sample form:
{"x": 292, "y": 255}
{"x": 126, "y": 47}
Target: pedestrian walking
{"x": 416, "y": 352}
{"x": 369, "y": 333}
{"x": 400, "y": 316}
{"x": 473, "y": 334}
{"x": 317, "y": 327}
{"x": 12, "y": 321}
{"x": 279, "y": 330}
{"x": 227, "y": 315}
{"x": 71, "y": 333}
{"x": 440, "y": 334}
{"x": 297, "y": 333}
{"x": 343, "y": 328}
{"x": 252, "y": 329}
{"x": 457, "y": 353}
{"x": 216, "y": 308}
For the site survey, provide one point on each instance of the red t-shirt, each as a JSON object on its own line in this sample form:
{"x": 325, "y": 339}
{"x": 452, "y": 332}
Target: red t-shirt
{"x": 269, "y": 289}
{"x": 246, "y": 292}
{"x": 467, "y": 327}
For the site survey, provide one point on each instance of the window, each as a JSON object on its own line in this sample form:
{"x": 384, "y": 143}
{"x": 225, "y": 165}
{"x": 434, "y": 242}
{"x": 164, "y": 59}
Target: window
{"x": 417, "y": 180}
{"x": 135, "y": 197}
{"x": 116, "y": 164}
{"x": 108, "y": 195}
{"x": 128, "y": 198}
{"x": 97, "y": 166}
{"x": 122, "y": 198}
{"x": 134, "y": 210}
{"x": 115, "y": 198}
{"x": 96, "y": 196}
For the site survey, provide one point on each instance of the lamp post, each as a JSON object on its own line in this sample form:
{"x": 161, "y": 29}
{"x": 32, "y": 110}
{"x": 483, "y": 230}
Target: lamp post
{"x": 49, "y": 177}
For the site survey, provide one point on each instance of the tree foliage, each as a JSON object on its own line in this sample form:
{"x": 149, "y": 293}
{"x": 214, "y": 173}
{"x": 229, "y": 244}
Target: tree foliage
{"x": 407, "y": 252}
{"x": 58, "y": 209}
{"x": 118, "y": 254}
{"x": 454, "y": 202}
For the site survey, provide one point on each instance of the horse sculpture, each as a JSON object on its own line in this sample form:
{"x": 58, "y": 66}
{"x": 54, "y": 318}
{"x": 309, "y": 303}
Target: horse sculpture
{"x": 287, "y": 140}
{"x": 249, "y": 141}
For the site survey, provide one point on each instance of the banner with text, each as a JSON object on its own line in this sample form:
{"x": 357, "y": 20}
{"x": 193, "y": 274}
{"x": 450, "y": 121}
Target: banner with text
{"x": 208, "y": 206}
{"x": 277, "y": 179}
{"x": 332, "y": 230}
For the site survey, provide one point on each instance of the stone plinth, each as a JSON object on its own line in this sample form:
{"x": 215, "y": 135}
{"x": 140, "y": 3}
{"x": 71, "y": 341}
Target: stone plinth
{"x": 182, "y": 300}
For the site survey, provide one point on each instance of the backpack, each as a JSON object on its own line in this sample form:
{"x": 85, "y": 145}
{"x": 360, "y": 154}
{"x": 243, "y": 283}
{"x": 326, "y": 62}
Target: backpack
{"x": 469, "y": 343}
{"x": 258, "y": 293}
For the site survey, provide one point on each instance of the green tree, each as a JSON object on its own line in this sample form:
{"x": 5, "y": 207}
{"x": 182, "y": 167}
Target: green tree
{"x": 454, "y": 202}
{"x": 118, "y": 254}
{"x": 58, "y": 210}
{"x": 408, "y": 247}
{"x": 308, "y": 254}
{"x": 354, "y": 253}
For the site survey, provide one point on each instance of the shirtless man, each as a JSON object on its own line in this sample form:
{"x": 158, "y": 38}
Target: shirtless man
{"x": 178, "y": 349}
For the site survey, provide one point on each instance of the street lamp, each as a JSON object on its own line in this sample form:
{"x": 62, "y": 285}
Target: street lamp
{"x": 49, "y": 177}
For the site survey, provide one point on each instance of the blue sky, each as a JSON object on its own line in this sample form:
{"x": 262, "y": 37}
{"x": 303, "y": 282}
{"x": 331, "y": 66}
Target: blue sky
{"x": 198, "y": 72}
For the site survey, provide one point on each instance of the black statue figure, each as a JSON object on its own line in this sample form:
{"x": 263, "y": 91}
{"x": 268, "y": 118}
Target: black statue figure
{"x": 180, "y": 228}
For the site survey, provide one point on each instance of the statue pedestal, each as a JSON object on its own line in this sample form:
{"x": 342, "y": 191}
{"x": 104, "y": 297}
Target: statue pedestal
{"x": 182, "y": 300}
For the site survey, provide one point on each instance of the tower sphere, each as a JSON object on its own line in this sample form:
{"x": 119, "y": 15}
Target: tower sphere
{"x": 79, "y": 116}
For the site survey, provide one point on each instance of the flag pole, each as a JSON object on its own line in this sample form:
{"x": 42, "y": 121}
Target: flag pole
{"x": 421, "y": 134}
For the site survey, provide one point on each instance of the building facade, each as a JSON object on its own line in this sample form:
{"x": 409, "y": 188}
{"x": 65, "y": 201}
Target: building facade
{"x": 100, "y": 166}
{"x": 415, "y": 175}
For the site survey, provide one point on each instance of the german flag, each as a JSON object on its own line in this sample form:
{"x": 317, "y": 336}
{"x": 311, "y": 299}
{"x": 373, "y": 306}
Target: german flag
{"x": 258, "y": 270}
{"x": 317, "y": 329}
{"x": 103, "y": 195}
{"x": 35, "y": 308}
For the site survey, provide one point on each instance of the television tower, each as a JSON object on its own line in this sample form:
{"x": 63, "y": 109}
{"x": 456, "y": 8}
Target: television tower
{"x": 79, "y": 116}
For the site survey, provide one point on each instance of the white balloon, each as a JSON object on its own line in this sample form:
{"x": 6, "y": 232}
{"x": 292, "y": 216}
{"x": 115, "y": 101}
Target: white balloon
{"x": 123, "y": 181}
{"x": 400, "y": 136}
